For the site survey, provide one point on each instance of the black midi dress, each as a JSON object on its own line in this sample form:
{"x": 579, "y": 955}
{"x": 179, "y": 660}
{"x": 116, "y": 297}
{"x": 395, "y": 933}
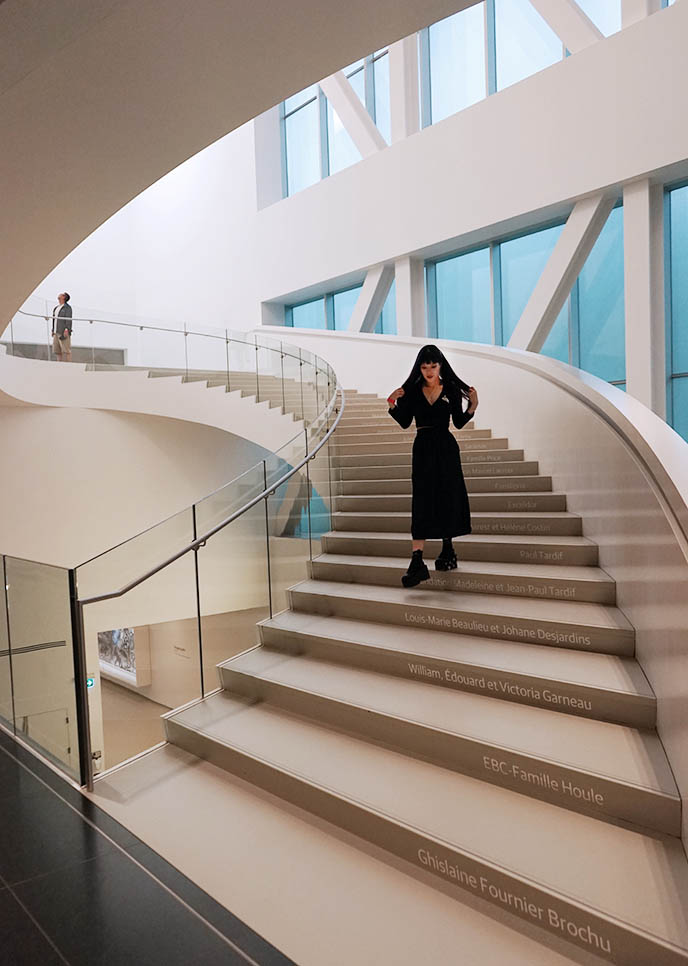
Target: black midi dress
{"x": 439, "y": 506}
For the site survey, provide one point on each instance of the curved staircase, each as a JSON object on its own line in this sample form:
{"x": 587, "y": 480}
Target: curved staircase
{"x": 490, "y": 726}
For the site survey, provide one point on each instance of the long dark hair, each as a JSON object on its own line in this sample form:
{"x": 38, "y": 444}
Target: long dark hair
{"x": 449, "y": 379}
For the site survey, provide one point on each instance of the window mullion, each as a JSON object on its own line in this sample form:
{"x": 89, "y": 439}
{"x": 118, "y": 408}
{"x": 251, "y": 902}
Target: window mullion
{"x": 322, "y": 124}
{"x": 491, "y": 46}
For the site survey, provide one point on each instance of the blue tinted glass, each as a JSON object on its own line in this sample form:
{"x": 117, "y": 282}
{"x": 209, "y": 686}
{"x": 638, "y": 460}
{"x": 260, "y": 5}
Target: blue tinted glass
{"x": 463, "y": 297}
{"x": 523, "y": 260}
{"x": 309, "y": 315}
{"x": 556, "y": 344}
{"x": 387, "y": 323}
{"x": 601, "y": 304}
{"x": 605, "y": 14}
{"x": 679, "y": 280}
{"x": 344, "y": 305}
{"x": 382, "y": 97}
{"x": 342, "y": 150}
{"x": 303, "y": 148}
{"x": 357, "y": 81}
{"x": 679, "y": 389}
{"x": 352, "y": 68}
{"x": 525, "y": 43}
{"x": 457, "y": 61}
{"x": 296, "y": 100}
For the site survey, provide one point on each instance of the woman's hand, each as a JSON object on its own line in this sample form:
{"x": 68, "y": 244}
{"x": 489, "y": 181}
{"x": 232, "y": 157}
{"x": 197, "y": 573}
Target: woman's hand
{"x": 472, "y": 399}
{"x": 397, "y": 394}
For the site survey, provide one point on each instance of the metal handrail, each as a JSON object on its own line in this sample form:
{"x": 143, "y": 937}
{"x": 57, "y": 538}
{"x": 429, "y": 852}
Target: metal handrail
{"x": 161, "y": 328}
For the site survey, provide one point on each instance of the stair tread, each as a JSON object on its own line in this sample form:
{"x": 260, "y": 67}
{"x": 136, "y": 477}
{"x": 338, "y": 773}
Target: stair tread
{"x": 603, "y": 866}
{"x": 522, "y": 495}
{"x": 593, "y": 574}
{"x": 587, "y": 668}
{"x": 568, "y": 612}
{"x": 541, "y": 540}
{"x": 477, "y": 514}
{"x": 615, "y": 751}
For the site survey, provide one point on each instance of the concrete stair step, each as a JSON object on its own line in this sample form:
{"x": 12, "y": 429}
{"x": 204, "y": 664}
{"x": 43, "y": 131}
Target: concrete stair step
{"x": 601, "y": 686}
{"x": 398, "y": 444}
{"x": 506, "y": 502}
{"x": 557, "y": 551}
{"x": 401, "y": 466}
{"x": 603, "y": 769}
{"x": 538, "y": 581}
{"x": 403, "y": 458}
{"x": 353, "y": 429}
{"x": 608, "y": 889}
{"x": 580, "y": 625}
{"x": 511, "y": 484}
{"x": 546, "y": 524}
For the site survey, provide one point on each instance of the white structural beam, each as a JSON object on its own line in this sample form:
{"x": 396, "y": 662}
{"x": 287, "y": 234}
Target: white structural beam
{"x": 565, "y": 263}
{"x": 644, "y": 294}
{"x": 403, "y": 85}
{"x": 369, "y": 304}
{"x": 634, "y": 10}
{"x": 571, "y": 25}
{"x": 353, "y": 115}
{"x": 410, "y": 288}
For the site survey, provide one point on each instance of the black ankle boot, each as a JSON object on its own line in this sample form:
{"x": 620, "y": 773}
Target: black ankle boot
{"x": 447, "y": 558}
{"x": 417, "y": 570}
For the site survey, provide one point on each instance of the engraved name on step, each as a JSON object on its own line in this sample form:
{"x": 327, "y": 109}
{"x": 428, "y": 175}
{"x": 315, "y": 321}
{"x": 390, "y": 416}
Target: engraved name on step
{"x": 494, "y": 888}
{"x": 543, "y": 779}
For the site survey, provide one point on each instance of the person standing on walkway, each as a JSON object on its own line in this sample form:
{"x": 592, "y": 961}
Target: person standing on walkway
{"x": 62, "y": 329}
{"x": 431, "y": 395}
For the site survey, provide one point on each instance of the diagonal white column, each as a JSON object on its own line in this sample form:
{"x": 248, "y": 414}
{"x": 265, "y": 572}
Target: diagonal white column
{"x": 353, "y": 115}
{"x": 369, "y": 304}
{"x": 403, "y": 87}
{"x": 409, "y": 274}
{"x": 644, "y": 294}
{"x": 634, "y": 10}
{"x": 565, "y": 263}
{"x": 569, "y": 22}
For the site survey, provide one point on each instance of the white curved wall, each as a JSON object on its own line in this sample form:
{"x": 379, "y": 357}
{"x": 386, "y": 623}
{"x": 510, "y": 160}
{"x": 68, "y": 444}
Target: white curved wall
{"x": 79, "y": 481}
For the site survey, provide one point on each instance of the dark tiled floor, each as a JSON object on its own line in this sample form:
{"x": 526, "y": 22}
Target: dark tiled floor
{"x": 77, "y": 888}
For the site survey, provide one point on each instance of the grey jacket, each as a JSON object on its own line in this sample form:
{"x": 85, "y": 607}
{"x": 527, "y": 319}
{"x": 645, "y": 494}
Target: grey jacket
{"x": 65, "y": 314}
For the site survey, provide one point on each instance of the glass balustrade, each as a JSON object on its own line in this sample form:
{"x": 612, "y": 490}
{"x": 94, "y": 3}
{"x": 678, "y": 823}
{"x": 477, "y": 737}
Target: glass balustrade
{"x": 153, "y": 616}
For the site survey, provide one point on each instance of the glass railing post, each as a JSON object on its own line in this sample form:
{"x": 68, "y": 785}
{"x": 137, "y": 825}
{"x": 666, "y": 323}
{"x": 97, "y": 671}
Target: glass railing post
{"x": 267, "y": 536}
{"x": 198, "y": 601}
{"x": 257, "y": 376}
{"x": 284, "y": 398}
{"x": 5, "y": 633}
{"x": 227, "y": 357}
{"x": 93, "y": 348}
{"x": 308, "y": 495}
{"x": 83, "y": 722}
{"x": 303, "y": 412}
{"x": 186, "y": 353}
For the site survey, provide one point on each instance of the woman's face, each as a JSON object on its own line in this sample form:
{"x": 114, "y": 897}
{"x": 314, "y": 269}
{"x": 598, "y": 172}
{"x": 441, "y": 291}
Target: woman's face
{"x": 430, "y": 371}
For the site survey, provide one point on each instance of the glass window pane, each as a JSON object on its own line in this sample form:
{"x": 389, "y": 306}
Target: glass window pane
{"x": 357, "y": 81}
{"x": 523, "y": 260}
{"x": 309, "y": 315}
{"x": 382, "y": 98}
{"x": 344, "y": 305}
{"x": 352, "y": 68}
{"x": 525, "y": 43}
{"x": 679, "y": 280}
{"x": 463, "y": 297}
{"x": 342, "y": 150}
{"x": 457, "y": 62}
{"x": 296, "y": 100}
{"x": 605, "y": 14}
{"x": 387, "y": 323}
{"x": 6, "y": 712}
{"x": 303, "y": 148}
{"x": 601, "y": 304}
{"x": 680, "y": 405}
{"x": 557, "y": 342}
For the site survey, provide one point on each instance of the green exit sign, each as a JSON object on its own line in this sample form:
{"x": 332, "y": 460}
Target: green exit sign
{"x": 90, "y": 682}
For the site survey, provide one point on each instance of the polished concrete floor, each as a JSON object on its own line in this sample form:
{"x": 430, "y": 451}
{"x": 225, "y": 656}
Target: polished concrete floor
{"x": 77, "y": 888}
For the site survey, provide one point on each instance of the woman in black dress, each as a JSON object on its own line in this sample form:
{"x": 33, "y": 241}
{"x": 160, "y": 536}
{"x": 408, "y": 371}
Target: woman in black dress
{"x": 439, "y": 509}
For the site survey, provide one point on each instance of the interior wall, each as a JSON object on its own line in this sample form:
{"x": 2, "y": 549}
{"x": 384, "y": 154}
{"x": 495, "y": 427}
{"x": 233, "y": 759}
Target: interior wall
{"x": 77, "y": 481}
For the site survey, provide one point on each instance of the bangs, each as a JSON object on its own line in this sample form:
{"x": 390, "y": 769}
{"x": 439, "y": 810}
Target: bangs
{"x": 430, "y": 354}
